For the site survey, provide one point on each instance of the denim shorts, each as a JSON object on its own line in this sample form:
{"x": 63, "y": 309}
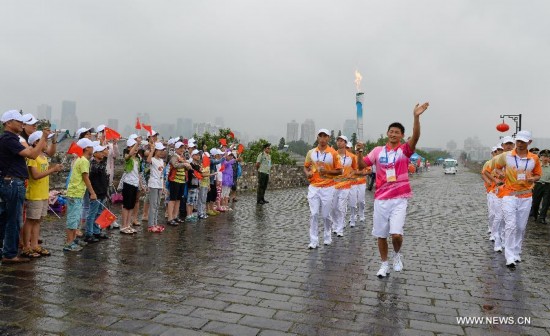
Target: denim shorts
{"x": 74, "y": 210}
{"x": 192, "y": 197}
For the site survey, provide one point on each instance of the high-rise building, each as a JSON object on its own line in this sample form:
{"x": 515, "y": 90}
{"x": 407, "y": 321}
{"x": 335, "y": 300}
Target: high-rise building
{"x": 44, "y": 112}
{"x": 69, "y": 119}
{"x": 220, "y": 122}
{"x": 112, "y": 124}
{"x": 308, "y": 132}
{"x": 292, "y": 131}
{"x": 144, "y": 118}
{"x": 201, "y": 128}
{"x": 350, "y": 127}
{"x": 85, "y": 124}
{"x": 187, "y": 128}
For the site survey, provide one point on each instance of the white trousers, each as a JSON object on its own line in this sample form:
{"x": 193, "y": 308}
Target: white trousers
{"x": 338, "y": 213}
{"x": 320, "y": 204}
{"x": 497, "y": 230}
{"x": 361, "y": 190}
{"x": 516, "y": 214}
{"x": 352, "y": 204}
{"x": 491, "y": 209}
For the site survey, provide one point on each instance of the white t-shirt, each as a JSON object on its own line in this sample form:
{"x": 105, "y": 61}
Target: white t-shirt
{"x": 156, "y": 178}
{"x": 219, "y": 174}
{"x": 132, "y": 177}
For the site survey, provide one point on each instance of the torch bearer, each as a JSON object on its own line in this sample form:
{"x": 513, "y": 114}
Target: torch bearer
{"x": 359, "y": 98}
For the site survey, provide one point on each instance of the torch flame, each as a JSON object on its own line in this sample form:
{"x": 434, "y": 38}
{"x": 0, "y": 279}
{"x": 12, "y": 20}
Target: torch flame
{"x": 357, "y": 81}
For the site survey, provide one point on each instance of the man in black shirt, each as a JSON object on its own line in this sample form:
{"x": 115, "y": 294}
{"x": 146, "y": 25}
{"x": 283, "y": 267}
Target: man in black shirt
{"x": 13, "y": 174}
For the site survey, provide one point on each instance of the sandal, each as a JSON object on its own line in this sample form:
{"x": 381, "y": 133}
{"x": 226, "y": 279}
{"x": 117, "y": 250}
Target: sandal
{"x": 29, "y": 253}
{"x": 136, "y": 224}
{"x": 42, "y": 251}
{"x": 79, "y": 233}
{"x": 126, "y": 230}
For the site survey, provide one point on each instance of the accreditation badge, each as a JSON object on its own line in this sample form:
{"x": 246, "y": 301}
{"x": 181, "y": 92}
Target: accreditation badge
{"x": 521, "y": 177}
{"x": 390, "y": 175}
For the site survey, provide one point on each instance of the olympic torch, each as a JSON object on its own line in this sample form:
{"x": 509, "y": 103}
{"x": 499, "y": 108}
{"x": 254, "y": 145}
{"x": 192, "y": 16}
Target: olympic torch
{"x": 359, "y": 98}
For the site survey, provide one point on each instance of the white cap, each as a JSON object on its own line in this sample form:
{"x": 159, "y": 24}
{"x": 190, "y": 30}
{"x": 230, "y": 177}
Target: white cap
{"x": 173, "y": 141}
{"x": 343, "y": 137}
{"x": 133, "y": 136}
{"x": 159, "y": 146}
{"x": 100, "y": 128}
{"x": 323, "y": 130}
{"x": 524, "y": 136}
{"x": 349, "y": 144}
{"x": 153, "y": 133}
{"x": 84, "y": 142}
{"x": 130, "y": 142}
{"x": 96, "y": 143}
{"x": 493, "y": 149}
{"x": 11, "y": 115}
{"x": 178, "y": 144}
{"x": 507, "y": 139}
{"x": 29, "y": 119}
{"x": 196, "y": 151}
{"x": 82, "y": 130}
{"x": 36, "y": 136}
{"x": 214, "y": 151}
{"x": 99, "y": 148}
{"x": 191, "y": 143}
{"x": 499, "y": 146}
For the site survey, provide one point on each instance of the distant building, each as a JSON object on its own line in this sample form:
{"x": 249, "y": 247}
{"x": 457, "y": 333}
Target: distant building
{"x": 475, "y": 150}
{"x": 112, "y": 123}
{"x": 220, "y": 122}
{"x": 144, "y": 118}
{"x": 85, "y": 124}
{"x": 292, "y": 131}
{"x": 187, "y": 128}
{"x": 201, "y": 128}
{"x": 308, "y": 131}
{"x": 166, "y": 131}
{"x": 350, "y": 127}
{"x": 69, "y": 119}
{"x": 44, "y": 112}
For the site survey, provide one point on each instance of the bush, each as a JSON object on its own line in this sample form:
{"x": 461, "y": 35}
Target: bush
{"x": 255, "y": 148}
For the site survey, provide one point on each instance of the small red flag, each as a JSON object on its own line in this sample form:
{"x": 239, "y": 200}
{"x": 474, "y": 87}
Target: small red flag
{"x": 148, "y": 128}
{"x": 105, "y": 219}
{"x": 197, "y": 174}
{"x": 240, "y": 149}
{"x": 74, "y": 149}
{"x": 205, "y": 160}
{"x": 138, "y": 124}
{"x": 111, "y": 134}
{"x": 232, "y": 135}
{"x": 223, "y": 142}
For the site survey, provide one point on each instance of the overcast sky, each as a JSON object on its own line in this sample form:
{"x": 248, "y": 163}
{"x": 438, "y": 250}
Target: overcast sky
{"x": 260, "y": 64}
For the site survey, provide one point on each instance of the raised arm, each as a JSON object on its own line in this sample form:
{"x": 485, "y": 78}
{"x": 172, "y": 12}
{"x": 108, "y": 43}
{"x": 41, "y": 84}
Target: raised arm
{"x": 418, "y": 110}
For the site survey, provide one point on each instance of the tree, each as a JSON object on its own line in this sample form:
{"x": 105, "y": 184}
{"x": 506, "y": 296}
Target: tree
{"x": 354, "y": 139}
{"x": 282, "y": 143}
{"x": 332, "y": 140}
{"x": 213, "y": 140}
{"x": 299, "y": 147}
{"x": 256, "y": 147}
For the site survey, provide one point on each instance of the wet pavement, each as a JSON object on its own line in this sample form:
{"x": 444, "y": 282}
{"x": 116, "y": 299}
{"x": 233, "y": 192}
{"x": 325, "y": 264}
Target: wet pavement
{"x": 249, "y": 273}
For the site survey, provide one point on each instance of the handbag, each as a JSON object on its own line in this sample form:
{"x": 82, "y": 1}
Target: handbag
{"x": 116, "y": 196}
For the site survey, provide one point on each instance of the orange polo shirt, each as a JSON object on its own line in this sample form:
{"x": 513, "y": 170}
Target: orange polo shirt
{"x": 329, "y": 159}
{"x": 514, "y": 165}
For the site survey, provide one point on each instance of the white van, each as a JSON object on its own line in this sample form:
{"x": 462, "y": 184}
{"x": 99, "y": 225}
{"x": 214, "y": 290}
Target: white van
{"x": 449, "y": 166}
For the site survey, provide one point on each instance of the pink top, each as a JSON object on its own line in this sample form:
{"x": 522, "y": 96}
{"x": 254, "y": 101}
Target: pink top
{"x": 383, "y": 157}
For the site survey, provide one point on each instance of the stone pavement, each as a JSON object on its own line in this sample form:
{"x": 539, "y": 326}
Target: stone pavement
{"x": 249, "y": 273}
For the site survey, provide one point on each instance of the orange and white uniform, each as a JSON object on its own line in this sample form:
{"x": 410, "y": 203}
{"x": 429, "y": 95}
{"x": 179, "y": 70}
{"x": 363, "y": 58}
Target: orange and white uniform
{"x": 343, "y": 184}
{"x": 516, "y": 194}
{"x": 321, "y": 191}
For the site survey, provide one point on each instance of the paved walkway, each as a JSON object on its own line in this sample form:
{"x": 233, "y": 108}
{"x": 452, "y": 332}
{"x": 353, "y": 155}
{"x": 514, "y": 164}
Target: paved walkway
{"x": 250, "y": 273}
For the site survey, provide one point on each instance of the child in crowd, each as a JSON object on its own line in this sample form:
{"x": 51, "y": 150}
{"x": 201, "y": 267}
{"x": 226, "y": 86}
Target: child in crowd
{"x": 131, "y": 185}
{"x": 176, "y": 181}
{"x": 100, "y": 183}
{"x": 193, "y": 185}
{"x": 155, "y": 184}
{"x": 227, "y": 181}
{"x": 204, "y": 186}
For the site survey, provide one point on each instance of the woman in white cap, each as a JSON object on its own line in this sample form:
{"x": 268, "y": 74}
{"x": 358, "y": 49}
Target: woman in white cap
{"x": 30, "y": 125}
{"x": 155, "y": 184}
{"x": 130, "y": 186}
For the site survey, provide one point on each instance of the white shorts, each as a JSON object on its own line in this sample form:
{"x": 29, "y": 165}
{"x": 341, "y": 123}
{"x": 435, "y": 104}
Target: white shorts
{"x": 225, "y": 191}
{"x": 389, "y": 217}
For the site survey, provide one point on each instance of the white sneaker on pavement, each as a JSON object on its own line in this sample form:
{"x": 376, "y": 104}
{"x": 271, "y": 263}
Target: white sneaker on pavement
{"x": 312, "y": 246}
{"x": 384, "y": 270}
{"x": 397, "y": 262}
{"x": 498, "y": 249}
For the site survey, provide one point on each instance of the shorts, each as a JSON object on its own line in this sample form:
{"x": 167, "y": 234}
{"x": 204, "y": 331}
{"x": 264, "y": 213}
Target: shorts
{"x": 225, "y": 191}
{"x": 234, "y": 187}
{"x": 212, "y": 193}
{"x": 74, "y": 210}
{"x": 176, "y": 190}
{"x": 129, "y": 196}
{"x": 389, "y": 217}
{"x": 192, "y": 196}
{"x": 37, "y": 209}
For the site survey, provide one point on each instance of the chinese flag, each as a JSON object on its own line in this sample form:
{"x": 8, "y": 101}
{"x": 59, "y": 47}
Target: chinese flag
{"x": 197, "y": 174}
{"x": 138, "y": 124}
{"x": 148, "y": 128}
{"x": 240, "y": 149}
{"x": 223, "y": 142}
{"x": 74, "y": 149}
{"x": 105, "y": 219}
{"x": 232, "y": 135}
{"x": 205, "y": 161}
{"x": 111, "y": 134}
{"x": 222, "y": 168}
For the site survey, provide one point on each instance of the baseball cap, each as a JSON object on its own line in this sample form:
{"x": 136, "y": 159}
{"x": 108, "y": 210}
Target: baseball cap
{"x": 323, "y": 130}
{"x": 494, "y": 149}
{"x": 99, "y": 148}
{"x": 507, "y": 139}
{"x": 11, "y": 115}
{"x": 133, "y": 136}
{"x": 499, "y": 146}
{"x": 36, "y": 136}
{"x": 196, "y": 151}
{"x": 191, "y": 143}
{"x": 214, "y": 151}
{"x": 178, "y": 144}
{"x": 159, "y": 146}
{"x": 84, "y": 142}
{"x": 349, "y": 144}
{"x": 29, "y": 119}
{"x": 100, "y": 128}
{"x": 83, "y": 130}
{"x": 524, "y": 136}
{"x": 153, "y": 133}
{"x": 130, "y": 142}
{"x": 343, "y": 137}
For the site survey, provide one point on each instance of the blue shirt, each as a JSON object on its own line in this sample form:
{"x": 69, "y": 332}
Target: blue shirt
{"x": 11, "y": 163}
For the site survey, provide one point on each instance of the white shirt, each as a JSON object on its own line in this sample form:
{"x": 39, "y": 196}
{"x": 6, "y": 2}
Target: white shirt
{"x": 156, "y": 178}
{"x": 132, "y": 177}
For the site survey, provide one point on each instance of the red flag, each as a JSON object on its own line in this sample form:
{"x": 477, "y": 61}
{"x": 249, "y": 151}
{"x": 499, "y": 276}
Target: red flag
{"x": 197, "y": 174}
{"x": 111, "y": 134}
{"x": 222, "y": 168}
{"x": 205, "y": 160}
{"x": 232, "y": 135}
{"x": 105, "y": 219}
{"x": 148, "y": 128}
{"x": 240, "y": 149}
{"x": 223, "y": 142}
{"x": 138, "y": 124}
{"x": 74, "y": 149}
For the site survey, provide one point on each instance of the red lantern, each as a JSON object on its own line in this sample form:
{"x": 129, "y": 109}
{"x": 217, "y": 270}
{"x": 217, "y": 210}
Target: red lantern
{"x": 503, "y": 127}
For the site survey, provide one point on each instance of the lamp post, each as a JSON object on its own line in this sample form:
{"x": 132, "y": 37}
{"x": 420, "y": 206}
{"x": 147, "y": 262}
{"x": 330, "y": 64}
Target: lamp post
{"x": 516, "y": 118}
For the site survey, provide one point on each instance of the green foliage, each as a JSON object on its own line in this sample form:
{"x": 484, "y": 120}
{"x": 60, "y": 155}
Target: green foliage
{"x": 256, "y": 147}
{"x": 299, "y": 147}
{"x": 282, "y": 143}
{"x": 353, "y": 139}
{"x": 213, "y": 140}
{"x": 42, "y": 123}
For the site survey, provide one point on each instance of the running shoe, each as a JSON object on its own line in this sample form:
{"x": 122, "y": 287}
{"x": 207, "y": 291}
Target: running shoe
{"x": 312, "y": 246}
{"x": 397, "y": 262}
{"x": 384, "y": 270}
{"x": 73, "y": 247}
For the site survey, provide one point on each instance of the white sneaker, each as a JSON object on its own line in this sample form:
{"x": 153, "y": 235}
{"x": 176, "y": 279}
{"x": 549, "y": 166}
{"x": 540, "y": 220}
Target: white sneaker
{"x": 340, "y": 234}
{"x": 397, "y": 262}
{"x": 518, "y": 259}
{"x": 115, "y": 225}
{"x": 362, "y": 219}
{"x": 510, "y": 263}
{"x": 492, "y": 238}
{"x": 351, "y": 224}
{"x": 384, "y": 270}
{"x": 328, "y": 242}
{"x": 312, "y": 246}
{"x": 498, "y": 249}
